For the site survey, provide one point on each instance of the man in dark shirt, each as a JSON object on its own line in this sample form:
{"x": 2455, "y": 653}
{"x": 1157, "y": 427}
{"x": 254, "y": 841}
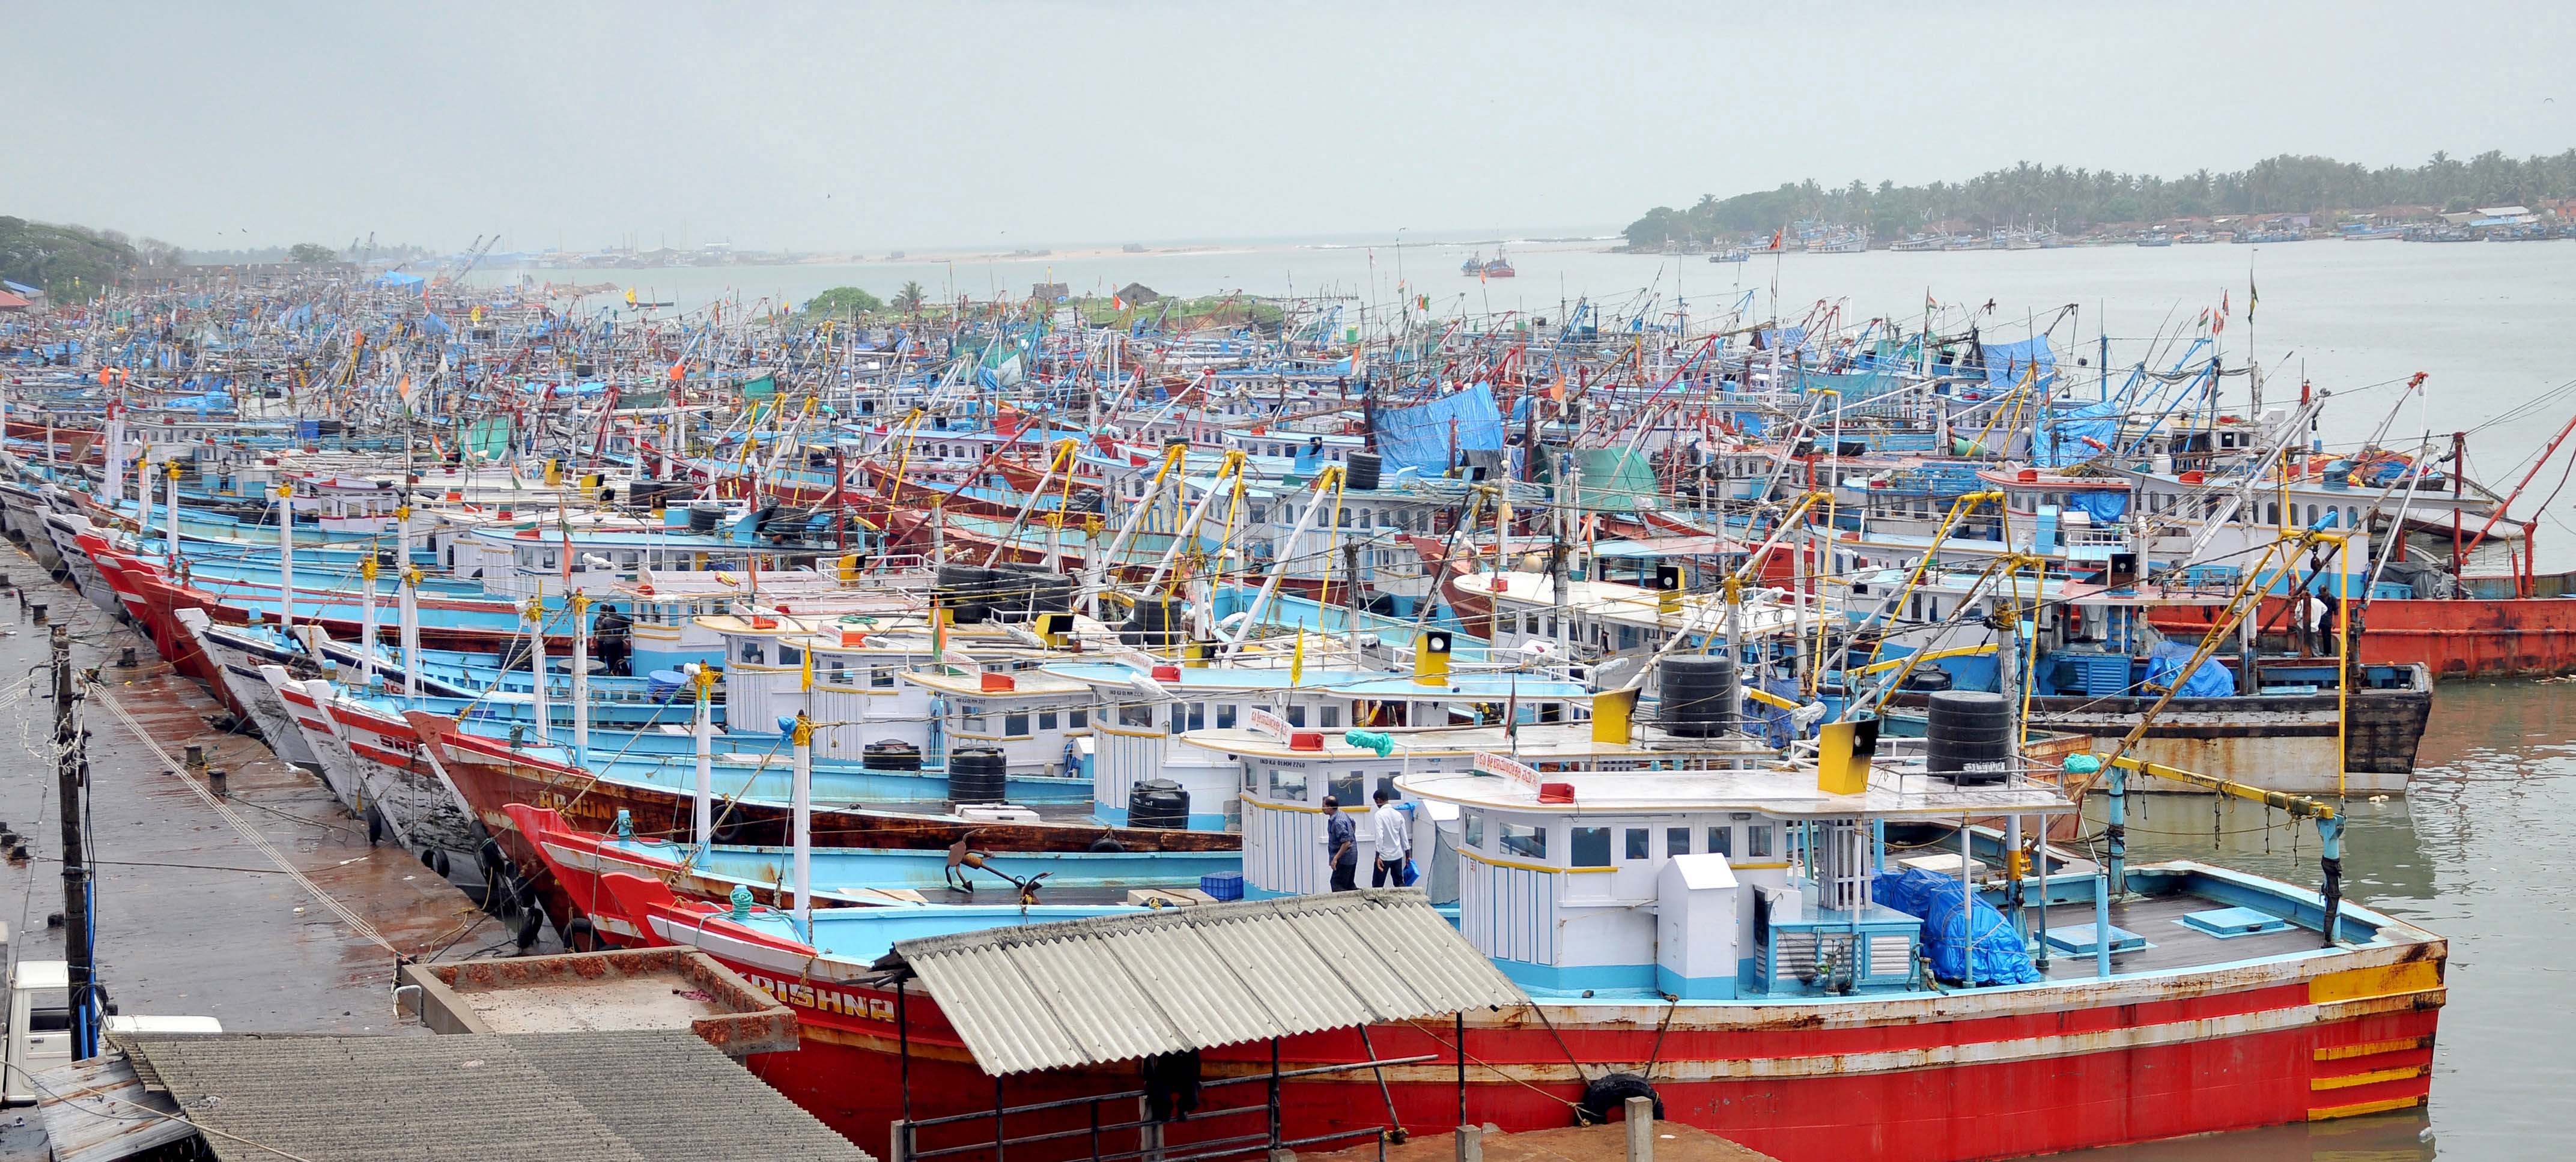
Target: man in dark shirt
{"x": 1342, "y": 846}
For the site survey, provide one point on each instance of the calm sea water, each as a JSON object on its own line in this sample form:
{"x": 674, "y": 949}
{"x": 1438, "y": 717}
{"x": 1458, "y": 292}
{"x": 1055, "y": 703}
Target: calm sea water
{"x": 2483, "y": 851}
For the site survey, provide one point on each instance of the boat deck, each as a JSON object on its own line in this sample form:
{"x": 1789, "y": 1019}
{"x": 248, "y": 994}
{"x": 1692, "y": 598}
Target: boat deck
{"x": 2171, "y": 944}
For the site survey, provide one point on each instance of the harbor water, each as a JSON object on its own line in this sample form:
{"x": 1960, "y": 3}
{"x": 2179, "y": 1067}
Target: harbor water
{"x": 2479, "y": 852}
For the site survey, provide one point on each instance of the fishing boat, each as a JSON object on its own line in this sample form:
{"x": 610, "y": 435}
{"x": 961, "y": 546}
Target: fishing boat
{"x": 1741, "y": 941}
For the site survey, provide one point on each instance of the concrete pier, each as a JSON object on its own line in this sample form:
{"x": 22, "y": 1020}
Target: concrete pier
{"x": 192, "y": 917}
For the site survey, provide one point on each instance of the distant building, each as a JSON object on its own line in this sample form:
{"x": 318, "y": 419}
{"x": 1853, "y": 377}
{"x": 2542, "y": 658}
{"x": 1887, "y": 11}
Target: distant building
{"x": 1050, "y": 292}
{"x": 1136, "y": 293}
{"x": 14, "y": 304}
{"x": 35, "y": 296}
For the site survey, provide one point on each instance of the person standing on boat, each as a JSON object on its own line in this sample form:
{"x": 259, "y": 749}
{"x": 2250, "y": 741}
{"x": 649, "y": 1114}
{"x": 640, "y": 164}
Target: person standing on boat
{"x": 1342, "y": 846}
{"x": 1387, "y": 825}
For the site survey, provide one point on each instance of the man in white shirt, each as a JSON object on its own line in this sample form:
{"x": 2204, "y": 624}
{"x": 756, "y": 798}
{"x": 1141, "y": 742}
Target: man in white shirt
{"x": 1393, "y": 830}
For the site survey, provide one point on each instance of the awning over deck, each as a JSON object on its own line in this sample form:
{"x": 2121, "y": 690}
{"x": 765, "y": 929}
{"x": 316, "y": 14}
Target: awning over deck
{"x": 1119, "y": 988}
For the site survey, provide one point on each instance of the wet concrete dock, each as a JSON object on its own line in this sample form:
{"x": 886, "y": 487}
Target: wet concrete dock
{"x": 194, "y": 918}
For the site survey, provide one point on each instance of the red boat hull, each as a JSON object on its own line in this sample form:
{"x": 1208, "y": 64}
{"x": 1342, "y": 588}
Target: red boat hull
{"x": 1926, "y": 1080}
{"x": 2463, "y": 638}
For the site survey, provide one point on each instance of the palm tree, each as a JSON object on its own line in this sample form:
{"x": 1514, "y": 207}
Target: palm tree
{"x": 910, "y": 298}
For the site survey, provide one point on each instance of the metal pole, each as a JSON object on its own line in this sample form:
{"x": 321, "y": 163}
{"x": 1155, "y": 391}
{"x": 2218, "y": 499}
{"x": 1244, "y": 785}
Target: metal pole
{"x": 2039, "y": 927}
{"x": 801, "y": 795}
{"x": 69, "y": 763}
{"x": 367, "y": 620}
{"x": 703, "y": 829}
{"x": 580, "y": 678}
{"x": 286, "y": 559}
{"x": 2102, "y": 926}
{"x": 172, "y": 515}
{"x": 407, "y": 596}
{"x": 1461, "y": 1034}
{"x": 536, "y": 615}
{"x": 2330, "y": 829}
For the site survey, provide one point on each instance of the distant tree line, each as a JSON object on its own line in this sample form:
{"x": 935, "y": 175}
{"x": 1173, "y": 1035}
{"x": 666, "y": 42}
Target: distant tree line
{"x": 2076, "y": 199}
{"x": 69, "y": 261}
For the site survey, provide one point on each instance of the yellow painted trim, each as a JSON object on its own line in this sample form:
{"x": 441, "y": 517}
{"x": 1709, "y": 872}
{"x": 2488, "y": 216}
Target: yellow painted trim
{"x": 2373, "y": 1077}
{"x": 1131, "y": 733}
{"x": 2368, "y": 1107}
{"x": 1490, "y": 861}
{"x": 2371, "y": 1048}
{"x": 2414, "y": 976}
{"x": 1780, "y": 866}
{"x": 1299, "y": 808}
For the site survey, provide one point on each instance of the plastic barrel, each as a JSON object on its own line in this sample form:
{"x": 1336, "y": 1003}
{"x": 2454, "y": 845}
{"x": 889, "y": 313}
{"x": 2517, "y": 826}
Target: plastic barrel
{"x": 665, "y": 685}
{"x": 1968, "y": 736}
{"x": 976, "y": 774}
{"x": 1159, "y": 803}
{"x": 1698, "y": 695}
{"x": 1362, "y": 470}
{"x": 890, "y": 755}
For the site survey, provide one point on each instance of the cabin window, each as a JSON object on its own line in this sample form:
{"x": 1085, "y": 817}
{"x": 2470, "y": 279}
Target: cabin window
{"x": 1198, "y": 715}
{"x": 1637, "y": 843}
{"x": 1077, "y": 719}
{"x": 1330, "y": 717}
{"x": 1251, "y": 779}
{"x": 1135, "y": 714}
{"x": 975, "y": 723}
{"x": 1757, "y": 841}
{"x": 1046, "y": 720}
{"x": 1016, "y": 725}
{"x": 2272, "y": 513}
{"x": 1296, "y": 716}
{"x": 751, "y": 651}
{"x": 790, "y": 656}
{"x": 1588, "y": 846}
{"x": 1472, "y": 825}
{"x": 1676, "y": 841}
{"x": 1225, "y": 716}
{"x": 1721, "y": 840}
{"x": 881, "y": 677}
{"x": 1287, "y": 785}
{"x": 1526, "y": 841}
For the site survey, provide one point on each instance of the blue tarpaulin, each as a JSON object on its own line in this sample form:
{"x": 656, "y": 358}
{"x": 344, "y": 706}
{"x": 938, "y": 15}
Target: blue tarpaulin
{"x": 2211, "y": 680}
{"x": 2103, "y": 505}
{"x": 2063, "y": 434}
{"x": 1997, "y": 951}
{"x": 2007, "y": 363}
{"x": 1418, "y": 437}
{"x": 400, "y": 281}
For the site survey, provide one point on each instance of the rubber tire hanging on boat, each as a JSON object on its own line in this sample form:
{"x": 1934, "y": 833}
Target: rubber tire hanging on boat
{"x": 1609, "y": 1094}
{"x": 527, "y": 935}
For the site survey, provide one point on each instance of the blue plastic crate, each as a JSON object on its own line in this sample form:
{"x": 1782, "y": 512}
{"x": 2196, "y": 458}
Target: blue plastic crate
{"x": 1222, "y": 885}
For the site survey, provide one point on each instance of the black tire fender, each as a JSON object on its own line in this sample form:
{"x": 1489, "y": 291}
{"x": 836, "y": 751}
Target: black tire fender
{"x": 1608, "y": 1094}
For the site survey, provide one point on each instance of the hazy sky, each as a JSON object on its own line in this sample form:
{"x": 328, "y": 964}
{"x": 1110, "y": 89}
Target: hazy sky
{"x": 859, "y": 126}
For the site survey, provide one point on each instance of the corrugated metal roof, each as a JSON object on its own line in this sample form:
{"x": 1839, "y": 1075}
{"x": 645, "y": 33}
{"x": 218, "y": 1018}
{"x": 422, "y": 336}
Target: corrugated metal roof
{"x": 636, "y": 1095}
{"x": 1118, "y": 988}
